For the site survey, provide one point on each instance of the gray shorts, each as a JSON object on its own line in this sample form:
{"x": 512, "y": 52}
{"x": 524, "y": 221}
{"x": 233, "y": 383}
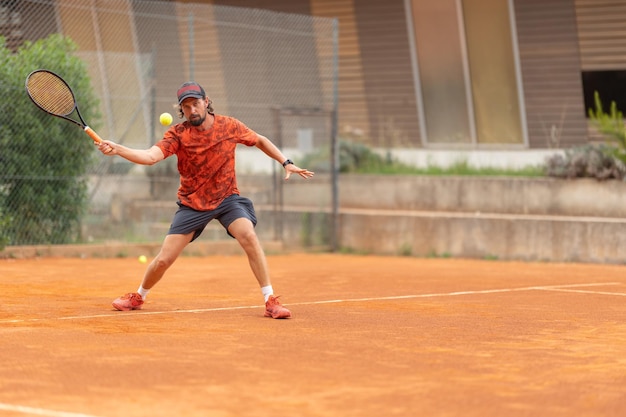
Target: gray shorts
{"x": 187, "y": 220}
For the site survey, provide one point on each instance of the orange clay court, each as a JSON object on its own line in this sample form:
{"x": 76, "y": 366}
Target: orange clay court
{"x": 370, "y": 336}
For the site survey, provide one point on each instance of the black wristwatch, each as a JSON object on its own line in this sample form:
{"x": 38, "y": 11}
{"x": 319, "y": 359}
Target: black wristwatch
{"x": 287, "y": 162}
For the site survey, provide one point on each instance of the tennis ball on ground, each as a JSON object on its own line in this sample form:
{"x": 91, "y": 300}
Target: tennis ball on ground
{"x": 142, "y": 259}
{"x": 165, "y": 119}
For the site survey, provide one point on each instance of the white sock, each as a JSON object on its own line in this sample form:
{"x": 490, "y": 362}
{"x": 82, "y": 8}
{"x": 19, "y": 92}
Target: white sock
{"x": 143, "y": 292}
{"x": 267, "y": 291}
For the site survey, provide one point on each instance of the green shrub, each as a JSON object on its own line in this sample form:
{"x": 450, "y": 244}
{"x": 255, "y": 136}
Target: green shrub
{"x": 611, "y": 125}
{"x": 586, "y": 161}
{"x": 353, "y": 157}
{"x": 43, "y": 187}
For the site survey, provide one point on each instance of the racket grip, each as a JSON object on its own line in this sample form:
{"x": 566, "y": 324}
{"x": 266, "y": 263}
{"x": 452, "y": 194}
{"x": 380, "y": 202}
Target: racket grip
{"x": 92, "y": 134}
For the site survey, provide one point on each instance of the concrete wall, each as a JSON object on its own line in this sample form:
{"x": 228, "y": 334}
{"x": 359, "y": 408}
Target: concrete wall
{"x": 541, "y": 196}
{"x": 502, "y": 218}
{"x": 540, "y": 219}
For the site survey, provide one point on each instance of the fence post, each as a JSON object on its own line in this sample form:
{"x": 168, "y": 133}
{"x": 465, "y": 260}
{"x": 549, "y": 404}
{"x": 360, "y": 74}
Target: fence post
{"x": 334, "y": 143}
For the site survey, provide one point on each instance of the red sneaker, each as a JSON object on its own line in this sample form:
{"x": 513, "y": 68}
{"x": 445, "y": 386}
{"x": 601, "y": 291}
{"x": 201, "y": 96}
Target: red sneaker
{"x": 275, "y": 310}
{"x": 127, "y": 302}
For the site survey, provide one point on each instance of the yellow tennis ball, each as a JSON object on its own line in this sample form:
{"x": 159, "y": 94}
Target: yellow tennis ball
{"x": 166, "y": 119}
{"x": 143, "y": 258}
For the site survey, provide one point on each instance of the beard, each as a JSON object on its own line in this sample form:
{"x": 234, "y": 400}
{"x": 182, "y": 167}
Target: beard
{"x": 197, "y": 120}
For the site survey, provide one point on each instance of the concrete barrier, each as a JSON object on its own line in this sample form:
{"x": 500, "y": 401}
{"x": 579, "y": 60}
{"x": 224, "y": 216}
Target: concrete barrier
{"x": 507, "y": 218}
{"x": 540, "y": 219}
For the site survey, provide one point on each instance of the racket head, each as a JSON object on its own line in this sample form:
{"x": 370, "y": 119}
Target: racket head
{"x": 50, "y": 92}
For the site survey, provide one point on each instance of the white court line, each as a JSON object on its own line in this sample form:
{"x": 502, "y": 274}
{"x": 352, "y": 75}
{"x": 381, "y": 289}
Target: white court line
{"x": 131, "y": 314}
{"x": 118, "y": 314}
{"x": 453, "y": 294}
{"x": 584, "y": 291}
{"x": 40, "y": 411}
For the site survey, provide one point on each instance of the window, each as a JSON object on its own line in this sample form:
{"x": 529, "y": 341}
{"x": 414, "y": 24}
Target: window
{"x": 492, "y": 72}
{"x": 467, "y": 72}
{"x": 441, "y": 70}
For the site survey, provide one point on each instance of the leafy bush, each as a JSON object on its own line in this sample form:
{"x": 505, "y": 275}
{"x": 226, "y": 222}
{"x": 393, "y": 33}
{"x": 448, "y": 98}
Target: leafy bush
{"x": 601, "y": 162}
{"x": 4, "y": 224}
{"x": 43, "y": 189}
{"x": 586, "y": 161}
{"x": 353, "y": 157}
{"x": 611, "y": 125}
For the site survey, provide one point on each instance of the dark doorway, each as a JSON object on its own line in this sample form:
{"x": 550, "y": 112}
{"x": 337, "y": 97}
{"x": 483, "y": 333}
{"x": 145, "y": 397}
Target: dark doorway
{"x": 611, "y": 85}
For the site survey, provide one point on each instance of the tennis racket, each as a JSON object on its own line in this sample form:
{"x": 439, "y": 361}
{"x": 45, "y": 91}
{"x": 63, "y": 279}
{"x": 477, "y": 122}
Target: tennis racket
{"x": 53, "y": 95}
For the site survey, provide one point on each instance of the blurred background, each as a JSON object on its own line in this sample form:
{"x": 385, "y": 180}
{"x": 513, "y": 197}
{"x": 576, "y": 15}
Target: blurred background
{"x": 502, "y": 83}
{"x": 274, "y": 71}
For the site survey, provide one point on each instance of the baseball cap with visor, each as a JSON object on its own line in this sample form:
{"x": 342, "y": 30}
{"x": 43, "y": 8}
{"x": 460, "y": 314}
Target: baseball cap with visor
{"x": 190, "y": 89}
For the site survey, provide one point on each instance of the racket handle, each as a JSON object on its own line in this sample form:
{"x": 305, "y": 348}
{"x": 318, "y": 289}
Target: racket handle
{"x": 92, "y": 134}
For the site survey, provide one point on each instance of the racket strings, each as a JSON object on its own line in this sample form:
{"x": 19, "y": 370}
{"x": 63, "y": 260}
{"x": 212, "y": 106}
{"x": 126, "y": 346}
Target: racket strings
{"x": 51, "y": 93}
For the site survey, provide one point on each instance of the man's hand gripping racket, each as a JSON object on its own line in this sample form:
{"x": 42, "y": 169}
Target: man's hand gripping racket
{"x": 53, "y": 95}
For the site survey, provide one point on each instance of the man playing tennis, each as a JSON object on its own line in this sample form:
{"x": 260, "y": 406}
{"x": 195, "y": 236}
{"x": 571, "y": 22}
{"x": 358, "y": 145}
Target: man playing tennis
{"x": 205, "y": 146}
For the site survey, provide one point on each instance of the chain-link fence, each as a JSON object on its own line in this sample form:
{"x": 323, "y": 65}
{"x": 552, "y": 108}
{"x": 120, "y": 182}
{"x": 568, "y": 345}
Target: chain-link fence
{"x": 275, "y": 72}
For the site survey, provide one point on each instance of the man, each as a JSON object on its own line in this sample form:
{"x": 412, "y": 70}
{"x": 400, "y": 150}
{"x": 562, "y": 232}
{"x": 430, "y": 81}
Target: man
{"x": 205, "y": 146}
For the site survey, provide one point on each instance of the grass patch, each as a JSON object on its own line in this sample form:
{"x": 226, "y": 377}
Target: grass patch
{"x": 360, "y": 159}
{"x": 459, "y": 168}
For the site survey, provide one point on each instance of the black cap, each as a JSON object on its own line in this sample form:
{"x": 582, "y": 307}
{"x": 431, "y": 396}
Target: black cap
{"x": 190, "y": 89}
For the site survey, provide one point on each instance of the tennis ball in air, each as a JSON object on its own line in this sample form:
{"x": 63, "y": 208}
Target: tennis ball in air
{"x": 165, "y": 119}
{"x": 142, "y": 259}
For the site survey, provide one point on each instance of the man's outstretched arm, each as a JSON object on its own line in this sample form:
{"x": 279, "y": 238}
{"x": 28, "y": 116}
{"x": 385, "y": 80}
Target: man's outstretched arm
{"x": 273, "y": 152}
{"x": 148, "y": 156}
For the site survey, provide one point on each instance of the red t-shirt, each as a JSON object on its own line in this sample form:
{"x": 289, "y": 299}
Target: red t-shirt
{"x": 206, "y": 159}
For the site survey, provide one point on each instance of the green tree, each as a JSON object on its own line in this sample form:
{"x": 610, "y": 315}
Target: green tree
{"x": 44, "y": 159}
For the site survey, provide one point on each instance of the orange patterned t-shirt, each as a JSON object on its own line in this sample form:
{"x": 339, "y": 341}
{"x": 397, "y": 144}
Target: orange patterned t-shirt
{"x": 206, "y": 159}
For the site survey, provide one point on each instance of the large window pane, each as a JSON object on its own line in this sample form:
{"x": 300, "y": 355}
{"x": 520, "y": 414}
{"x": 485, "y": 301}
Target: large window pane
{"x": 442, "y": 79}
{"x": 492, "y": 69}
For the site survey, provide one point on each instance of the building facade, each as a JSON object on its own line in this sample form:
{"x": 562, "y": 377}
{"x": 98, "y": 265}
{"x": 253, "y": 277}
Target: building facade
{"x": 472, "y": 73}
{"x": 445, "y": 74}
